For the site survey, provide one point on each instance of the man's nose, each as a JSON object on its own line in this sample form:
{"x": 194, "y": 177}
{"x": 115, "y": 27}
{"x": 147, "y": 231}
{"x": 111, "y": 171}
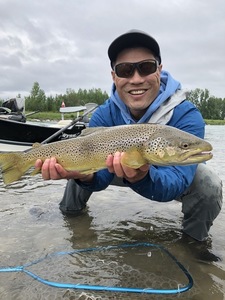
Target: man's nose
{"x": 136, "y": 76}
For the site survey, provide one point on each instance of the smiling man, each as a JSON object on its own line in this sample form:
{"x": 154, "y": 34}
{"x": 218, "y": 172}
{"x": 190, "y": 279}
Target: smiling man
{"x": 143, "y": 92}
{"x": 139, "y": 88}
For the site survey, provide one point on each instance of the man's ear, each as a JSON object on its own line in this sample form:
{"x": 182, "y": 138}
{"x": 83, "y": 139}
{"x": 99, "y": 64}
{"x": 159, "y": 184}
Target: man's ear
{"x": 113, "y": 75}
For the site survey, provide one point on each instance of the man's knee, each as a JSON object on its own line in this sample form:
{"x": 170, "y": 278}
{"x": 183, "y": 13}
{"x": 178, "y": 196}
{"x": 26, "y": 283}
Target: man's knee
{"x": 74, "y": 198}
{"x": 202, "y": 202}
{"x": 205, "y": 191}
{"x": 208, "y": 186}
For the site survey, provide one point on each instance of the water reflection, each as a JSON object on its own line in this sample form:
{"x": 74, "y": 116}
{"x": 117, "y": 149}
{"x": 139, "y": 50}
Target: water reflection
{"x": 32, "y": 226}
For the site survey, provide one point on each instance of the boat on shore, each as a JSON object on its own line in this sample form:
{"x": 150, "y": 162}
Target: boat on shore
{"x": 28, "y": 133}
{"x": 13, "y": 109}
{"x": 16, "y": 130}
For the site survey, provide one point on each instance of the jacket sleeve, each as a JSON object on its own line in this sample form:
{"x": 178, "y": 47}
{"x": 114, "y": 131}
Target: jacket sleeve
{"x": 160, "y": 184}
{"x": 164, "y": 183}
{"x": 101, "y": 181}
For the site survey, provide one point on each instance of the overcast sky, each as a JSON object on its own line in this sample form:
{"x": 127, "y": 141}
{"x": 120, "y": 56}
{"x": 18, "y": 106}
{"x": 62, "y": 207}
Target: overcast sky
{"x": 63, "y": 44}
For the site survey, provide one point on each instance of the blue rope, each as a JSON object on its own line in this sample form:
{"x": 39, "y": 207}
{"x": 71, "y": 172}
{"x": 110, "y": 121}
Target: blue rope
{"x": 105, "y": 288}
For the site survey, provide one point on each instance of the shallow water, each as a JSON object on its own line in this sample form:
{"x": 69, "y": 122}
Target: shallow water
{"x": 32, "y": 227}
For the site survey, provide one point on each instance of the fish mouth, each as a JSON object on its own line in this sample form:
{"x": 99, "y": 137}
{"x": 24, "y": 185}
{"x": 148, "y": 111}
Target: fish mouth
{"x": 198, "y": 157}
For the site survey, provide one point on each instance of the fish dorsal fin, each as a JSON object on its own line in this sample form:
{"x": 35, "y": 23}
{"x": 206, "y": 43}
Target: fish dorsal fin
{"x": 133, "y": 159}
{"x": 36, "y": 145}
{"x": 90, "y": 130}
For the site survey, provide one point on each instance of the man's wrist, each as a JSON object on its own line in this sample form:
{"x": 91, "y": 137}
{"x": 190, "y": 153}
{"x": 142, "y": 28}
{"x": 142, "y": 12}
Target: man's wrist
{"x": 87, "y": 178}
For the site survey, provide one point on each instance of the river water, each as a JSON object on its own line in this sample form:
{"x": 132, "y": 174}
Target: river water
{"x": 33, "y": 228}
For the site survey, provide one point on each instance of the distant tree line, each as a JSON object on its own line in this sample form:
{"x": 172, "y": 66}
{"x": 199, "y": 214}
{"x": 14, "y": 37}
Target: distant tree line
{"x": 210, "y": 106}
{"x": 37, "y": 100}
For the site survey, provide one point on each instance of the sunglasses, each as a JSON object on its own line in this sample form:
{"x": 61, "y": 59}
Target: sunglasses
{"x": 144, "y": 67}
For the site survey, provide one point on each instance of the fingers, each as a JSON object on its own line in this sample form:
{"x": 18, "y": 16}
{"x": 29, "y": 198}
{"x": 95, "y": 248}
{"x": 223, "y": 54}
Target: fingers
{"x": 144, "y": 168}
{"x": 50, "y": 169}
{"x": 113, "y": 163}
{"x": 118, "y": 168}
{"x": 38, "y": 164}
{"x": 132, "y": 175}
{"x": 109, "y": 163}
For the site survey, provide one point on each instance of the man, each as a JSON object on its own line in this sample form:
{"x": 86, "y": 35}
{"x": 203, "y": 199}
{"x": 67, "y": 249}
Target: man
{"x": 143, "y": 92}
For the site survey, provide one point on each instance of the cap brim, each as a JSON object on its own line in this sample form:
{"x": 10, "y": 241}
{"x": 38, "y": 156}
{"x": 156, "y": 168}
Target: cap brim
{"x": 133, "y": 39}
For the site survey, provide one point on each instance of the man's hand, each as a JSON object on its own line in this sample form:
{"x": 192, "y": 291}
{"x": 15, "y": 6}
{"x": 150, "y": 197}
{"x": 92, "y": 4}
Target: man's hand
{"x": 50, "y": 169}
{"x": 114, "y": 165}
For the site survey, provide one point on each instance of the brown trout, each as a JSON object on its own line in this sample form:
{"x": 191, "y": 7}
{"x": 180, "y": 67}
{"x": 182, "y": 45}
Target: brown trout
{"x": 154, "y": 144}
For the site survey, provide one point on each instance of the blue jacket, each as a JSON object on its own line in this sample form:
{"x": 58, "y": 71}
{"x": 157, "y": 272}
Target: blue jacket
{"x": 161, "y": 183}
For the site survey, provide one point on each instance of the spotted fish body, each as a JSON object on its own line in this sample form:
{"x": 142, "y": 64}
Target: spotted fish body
{"x": 141, "y": 144}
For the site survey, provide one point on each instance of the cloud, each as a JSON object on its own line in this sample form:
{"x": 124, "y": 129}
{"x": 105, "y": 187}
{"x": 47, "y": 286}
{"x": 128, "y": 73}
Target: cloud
{"x": 63, "y": 44}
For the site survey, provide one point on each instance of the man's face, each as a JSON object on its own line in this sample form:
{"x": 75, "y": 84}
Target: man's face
{"x": 137, "y": 91}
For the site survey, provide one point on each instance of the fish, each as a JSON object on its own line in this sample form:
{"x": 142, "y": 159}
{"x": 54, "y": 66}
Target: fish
{"x": 154, "y": 144}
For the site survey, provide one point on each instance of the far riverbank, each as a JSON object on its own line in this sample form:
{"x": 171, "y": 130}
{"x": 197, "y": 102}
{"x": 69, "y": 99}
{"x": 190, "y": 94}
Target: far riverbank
{"x": 56, "y": 116}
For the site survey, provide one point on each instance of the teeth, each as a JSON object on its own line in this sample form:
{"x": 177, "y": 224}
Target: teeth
{"x": 138, "y": 92}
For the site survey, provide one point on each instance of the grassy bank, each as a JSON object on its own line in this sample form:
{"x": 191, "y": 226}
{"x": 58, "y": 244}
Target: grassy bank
{"x": 215, "y": 122}
{"x": 51, "y": 116}
{"x": 56, "y": 116}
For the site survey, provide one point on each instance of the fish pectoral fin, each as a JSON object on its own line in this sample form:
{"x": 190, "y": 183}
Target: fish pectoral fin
{"x": 133, "y": 159}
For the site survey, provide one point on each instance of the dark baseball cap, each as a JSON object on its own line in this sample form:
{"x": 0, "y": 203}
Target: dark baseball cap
{"x": 133, "y": 38}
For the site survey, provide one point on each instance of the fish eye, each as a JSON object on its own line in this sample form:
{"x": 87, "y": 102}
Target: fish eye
{"x": 184, "y": 145}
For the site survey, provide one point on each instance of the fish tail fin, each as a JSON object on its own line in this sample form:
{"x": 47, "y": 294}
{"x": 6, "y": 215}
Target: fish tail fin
{"x": 13, "y": 166}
